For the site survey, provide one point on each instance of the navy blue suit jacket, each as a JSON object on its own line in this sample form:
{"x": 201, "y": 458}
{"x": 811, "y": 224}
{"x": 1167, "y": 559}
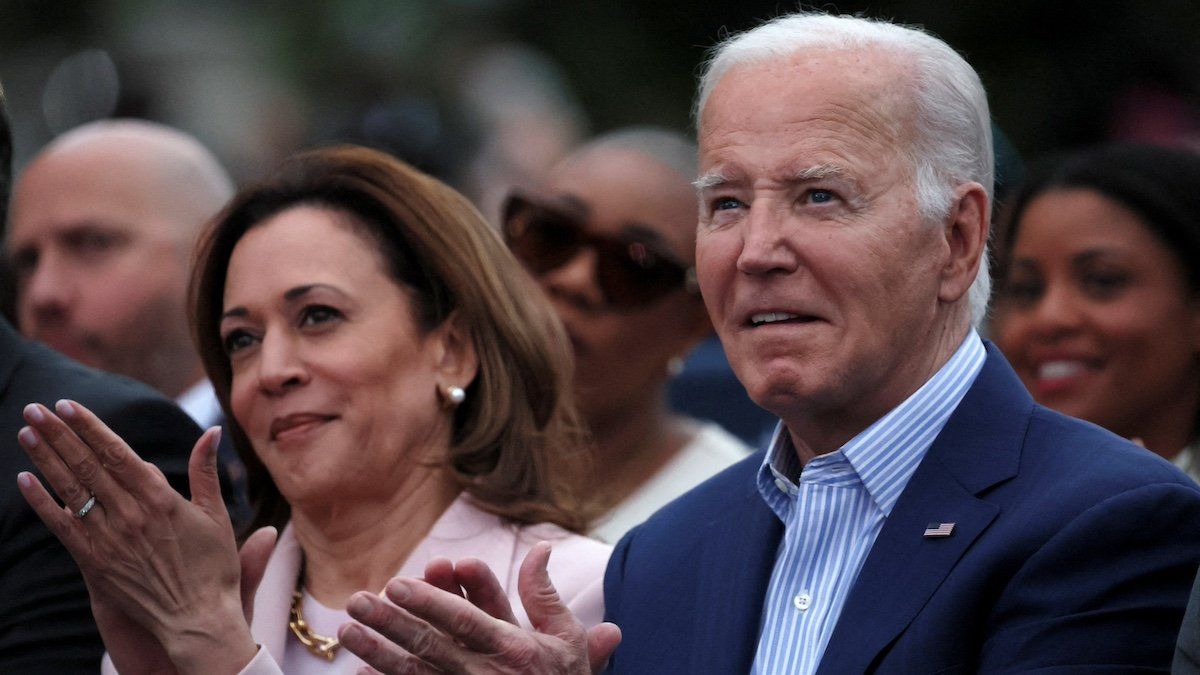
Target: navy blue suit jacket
{"x": 1073, "y": 550}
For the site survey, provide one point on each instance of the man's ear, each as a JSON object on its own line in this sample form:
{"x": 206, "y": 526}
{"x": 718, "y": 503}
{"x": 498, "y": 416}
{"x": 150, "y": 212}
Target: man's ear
{"x": 966, "y": 232}
{"x": 457, "y": 363}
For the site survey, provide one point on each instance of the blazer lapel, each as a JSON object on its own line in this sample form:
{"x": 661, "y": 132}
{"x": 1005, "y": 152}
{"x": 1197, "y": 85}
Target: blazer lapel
{"x": 736, "y": 562}
{"x": 978, "y": 448}
{"x": 273, "y": 601}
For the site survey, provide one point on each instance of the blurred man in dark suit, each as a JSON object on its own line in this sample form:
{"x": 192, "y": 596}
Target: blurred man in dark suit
{"x": 100, "y": 238}
{"x": 46, "y": 623}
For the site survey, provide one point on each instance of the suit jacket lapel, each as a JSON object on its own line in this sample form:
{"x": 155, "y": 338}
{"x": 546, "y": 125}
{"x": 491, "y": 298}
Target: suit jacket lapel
{"x": 736, "y": 562}
{"x": 978, "y": 448}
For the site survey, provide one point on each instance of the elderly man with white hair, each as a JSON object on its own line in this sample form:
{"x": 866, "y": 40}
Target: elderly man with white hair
{"x": 916, "y": 511}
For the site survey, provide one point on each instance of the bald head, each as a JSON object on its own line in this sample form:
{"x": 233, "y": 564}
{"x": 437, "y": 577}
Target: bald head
{"x": 171, "y": 172}
{"x": 102, "y": 227}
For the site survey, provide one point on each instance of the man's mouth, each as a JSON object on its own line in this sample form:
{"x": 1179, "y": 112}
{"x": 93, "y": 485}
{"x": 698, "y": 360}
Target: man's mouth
{"x": 767, "y": 318}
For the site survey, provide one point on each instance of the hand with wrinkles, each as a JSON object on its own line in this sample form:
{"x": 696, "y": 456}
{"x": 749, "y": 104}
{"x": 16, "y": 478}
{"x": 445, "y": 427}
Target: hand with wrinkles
{"x": 459, "y": 620}
{"x": 163, "y": 572}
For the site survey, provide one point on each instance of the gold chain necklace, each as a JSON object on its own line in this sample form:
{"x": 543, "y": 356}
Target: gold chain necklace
{"x": 318, "y": 645}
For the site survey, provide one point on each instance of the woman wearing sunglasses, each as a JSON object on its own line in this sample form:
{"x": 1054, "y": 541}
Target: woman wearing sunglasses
{"x": 611, "y": 239}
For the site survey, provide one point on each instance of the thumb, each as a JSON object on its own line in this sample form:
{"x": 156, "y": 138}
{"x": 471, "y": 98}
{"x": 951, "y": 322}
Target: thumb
{"x": 546, "y": 611}
{"x": 602, "y": 641}
{"x": 253, "y": 556}
{"x": 203, "y": 480}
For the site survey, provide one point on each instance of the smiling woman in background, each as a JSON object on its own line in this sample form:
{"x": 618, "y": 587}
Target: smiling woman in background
{"x": 611, "y": 238}
{"x": 398, "y": 391}
{"x": 1099, "y": 303}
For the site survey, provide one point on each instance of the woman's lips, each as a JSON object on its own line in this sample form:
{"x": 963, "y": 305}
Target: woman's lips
{"x": 292, "y": 426}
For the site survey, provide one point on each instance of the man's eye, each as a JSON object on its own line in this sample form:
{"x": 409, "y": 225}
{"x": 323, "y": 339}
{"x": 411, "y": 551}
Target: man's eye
{"x": 236, "y": 340}
{"x": 91, "y": 241}
{"x": 726, "y": 204}
{"x": 314, "y": 315}
{"x": 24, "y": 262}
{"x": 820, "y": 196}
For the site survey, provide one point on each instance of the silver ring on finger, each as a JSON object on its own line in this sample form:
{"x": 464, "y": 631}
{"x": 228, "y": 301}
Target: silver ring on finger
{"x": 86, "y": 508}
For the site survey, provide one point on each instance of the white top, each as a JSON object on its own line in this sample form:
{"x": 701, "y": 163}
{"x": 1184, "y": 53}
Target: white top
{"x": 710, "y": 451}
{"x": 201, "y": 404}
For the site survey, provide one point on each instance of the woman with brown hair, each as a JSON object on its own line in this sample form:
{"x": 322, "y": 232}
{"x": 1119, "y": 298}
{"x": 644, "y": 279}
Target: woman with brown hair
{"x": 397, "y": 390}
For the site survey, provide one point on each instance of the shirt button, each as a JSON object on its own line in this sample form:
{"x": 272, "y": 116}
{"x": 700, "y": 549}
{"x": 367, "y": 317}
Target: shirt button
{"x": 802, "y": 601}
{"x": 782, "y": 485}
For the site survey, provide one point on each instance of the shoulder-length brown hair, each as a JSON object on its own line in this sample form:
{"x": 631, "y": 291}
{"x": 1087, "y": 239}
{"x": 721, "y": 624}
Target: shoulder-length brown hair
{"x": 516, "y": 445}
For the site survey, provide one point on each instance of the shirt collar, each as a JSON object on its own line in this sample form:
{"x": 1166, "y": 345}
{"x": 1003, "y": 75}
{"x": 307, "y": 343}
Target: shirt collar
{"x": 884, "y": 455}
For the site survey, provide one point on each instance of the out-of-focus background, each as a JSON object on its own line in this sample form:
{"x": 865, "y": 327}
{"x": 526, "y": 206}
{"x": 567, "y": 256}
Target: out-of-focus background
{"x": 486, "y": 93}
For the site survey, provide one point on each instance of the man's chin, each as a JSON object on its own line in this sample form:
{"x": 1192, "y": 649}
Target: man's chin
{"x": 72, "y": 349}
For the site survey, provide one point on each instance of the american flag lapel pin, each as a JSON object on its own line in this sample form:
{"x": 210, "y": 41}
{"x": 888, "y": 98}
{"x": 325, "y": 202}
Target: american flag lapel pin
{"x": 939, "y": 530}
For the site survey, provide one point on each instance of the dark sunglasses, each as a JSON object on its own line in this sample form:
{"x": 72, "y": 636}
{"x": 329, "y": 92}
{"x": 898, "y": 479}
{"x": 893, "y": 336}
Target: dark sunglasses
{"x": 629, "y": 273}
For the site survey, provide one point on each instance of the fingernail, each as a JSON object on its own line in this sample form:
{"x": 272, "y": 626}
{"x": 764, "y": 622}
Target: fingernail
{"x": 347, "y": 630}
{"x": 398, "y": 590}
{"x": 64, "y": 408}
{"x": 359, "y": 605}
{"x": 27, "y": 437}
{"x": 25, "y": 479}
{"x": 33, "y": 413}
{"x": 216, "y": 441}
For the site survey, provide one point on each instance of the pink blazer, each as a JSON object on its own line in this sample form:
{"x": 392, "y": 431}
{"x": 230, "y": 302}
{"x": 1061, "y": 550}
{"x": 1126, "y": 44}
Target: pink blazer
{"x": 576, "y": 567}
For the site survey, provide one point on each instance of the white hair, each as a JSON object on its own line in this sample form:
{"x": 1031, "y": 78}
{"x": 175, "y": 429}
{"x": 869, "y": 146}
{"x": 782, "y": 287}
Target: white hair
{"x": 953, "y": 139}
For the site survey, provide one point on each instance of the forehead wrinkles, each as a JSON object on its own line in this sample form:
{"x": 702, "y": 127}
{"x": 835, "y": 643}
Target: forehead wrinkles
{"x": 868, "y": 93}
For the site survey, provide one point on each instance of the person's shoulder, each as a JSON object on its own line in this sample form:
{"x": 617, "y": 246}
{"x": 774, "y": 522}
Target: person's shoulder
{"x": 150, "y": 423}
{"x": 1081, "y": 456}
{"x": 44, "y": 375}
{"x": 724, "y": 495}
{"x": 565, "y": 544}
{"x": 577, "y": 562}
{"x": 714, "y": 442}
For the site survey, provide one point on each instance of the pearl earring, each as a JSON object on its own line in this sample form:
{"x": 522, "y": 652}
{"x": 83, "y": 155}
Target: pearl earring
{"x": 454, "y": 396}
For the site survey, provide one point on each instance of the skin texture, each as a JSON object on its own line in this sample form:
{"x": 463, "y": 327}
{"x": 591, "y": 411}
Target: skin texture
{"x": 337, "y": 389}
{"x": 808, "y": 207}
{"x": 1096, "y": 295}
{"x": 100, "y": 236}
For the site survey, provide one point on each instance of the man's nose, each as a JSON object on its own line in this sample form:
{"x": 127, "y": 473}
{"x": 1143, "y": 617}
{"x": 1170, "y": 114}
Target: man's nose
{"x": 47, "y": 289}
{"x": 767, "y": 243}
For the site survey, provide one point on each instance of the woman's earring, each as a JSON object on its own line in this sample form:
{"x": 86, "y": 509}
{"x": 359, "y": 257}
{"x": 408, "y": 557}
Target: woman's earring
{"x": 675, "y": 366}
{"x": 452, "y": 397}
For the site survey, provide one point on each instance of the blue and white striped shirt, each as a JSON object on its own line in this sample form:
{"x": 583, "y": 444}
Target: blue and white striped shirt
{"x": 831, "y": 519}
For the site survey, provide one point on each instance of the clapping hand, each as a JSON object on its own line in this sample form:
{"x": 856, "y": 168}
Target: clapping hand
{"x": 163, "y": 572}
{"x": 458, "y": 619}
